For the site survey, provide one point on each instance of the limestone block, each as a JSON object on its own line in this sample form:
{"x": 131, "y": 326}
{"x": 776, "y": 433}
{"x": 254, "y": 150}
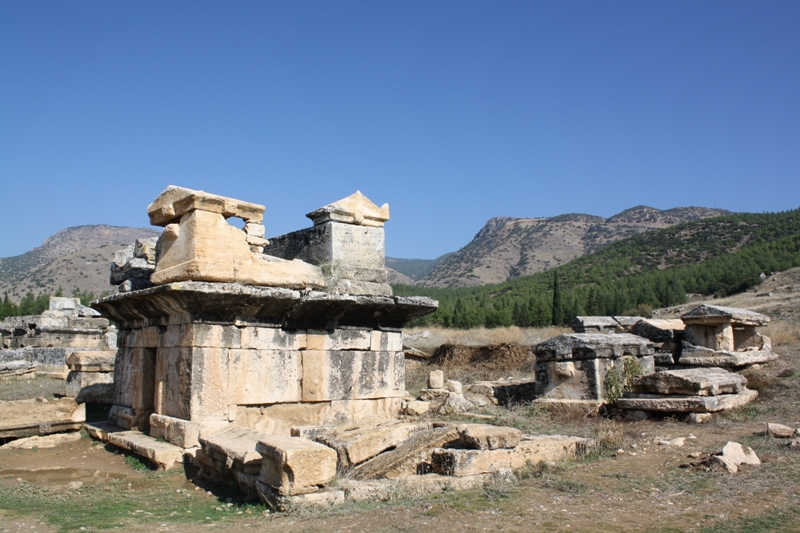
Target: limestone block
{"x": 279, "y": 503}
{"x": 686, "y": 404}
{"x": 453, "y": 386}
{"x": 734, "y": 455}
{"x": 181, "y": 432}
{"x": 453, "y": 462}
{"x": 436, "y": 379}
{"x": 264, "y": 338}
{"x": 695, "y": 355}
{"x": 355, "y": 209}
{"x": 209, "y": 394}
{"x": 206, "y": 248}
{"x": 173, "y": 381}
{"x": 505, "y": 391}
{"x": 338, "y": 339}
{"x": 716, "y": 314}
{"x": 92, "y": 361}
{"x": 258, "y": 377}
{"x": 356, "y": 443}
{"x": 92, "y": 387}
{"x": 24, "y": 418}
{"x": 279, "y": 419}
{"x": 412, "y": 457}
{"x": 163, "y": 454}
{"x": 343, "y": 375}
{"x": 455, "y": 404}
{"x": 174, "y": 202}
{"x": 389, "y": 341}
{"x": 488, "y": 437}
{"x": 416, "y": 407}
{"x": 779, "y": 431}
{"x": 295, "y": 465}
{"x": 236, "y": 447}
{"x": 691, "y": 382}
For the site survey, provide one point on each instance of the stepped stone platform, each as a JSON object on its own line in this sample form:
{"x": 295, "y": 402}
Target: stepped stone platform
{"x": 163, "y": 454}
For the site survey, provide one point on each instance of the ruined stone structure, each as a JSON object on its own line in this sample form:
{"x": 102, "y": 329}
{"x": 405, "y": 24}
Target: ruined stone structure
{"x": 724, "y": 336}
{"x": 579, "y": 366}
{"x": 229, "y": 335}
{"x": 41, "y": 344}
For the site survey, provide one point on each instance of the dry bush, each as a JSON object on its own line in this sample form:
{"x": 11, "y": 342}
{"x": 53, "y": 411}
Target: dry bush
{"x": 783, "y": 333}
{"x": 609, "y": 436}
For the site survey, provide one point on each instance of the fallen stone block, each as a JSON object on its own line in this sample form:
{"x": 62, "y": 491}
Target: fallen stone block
{"x": 488, "y": 437}
{"x": 415, "y": 407}
{"x": 455, "y": 404}
{"x": 46, "y": 441}
{"x": 18, "y": 369}
{"x": 409, "y": 487}
{"x": 356, "y": 443}
{"x": 236, "y": 447}
{"x": 779, "y": 431}
{"x": 413, "y": 457}
{"x": 733, "y": 455}
{"x": 163, "y": 454}
{"x": 686, "y": 404}
{"x": 700, "y": 356}
{"x": 691, "y": 382}
{"x": 293, "y": 465}
{"x": 281, "y": 503}
{"x": 531, "y": 450}
{"x": 24, "y": 418}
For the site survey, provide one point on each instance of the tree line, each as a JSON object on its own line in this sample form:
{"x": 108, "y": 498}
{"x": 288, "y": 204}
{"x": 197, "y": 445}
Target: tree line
{"x": 722, "y": 256}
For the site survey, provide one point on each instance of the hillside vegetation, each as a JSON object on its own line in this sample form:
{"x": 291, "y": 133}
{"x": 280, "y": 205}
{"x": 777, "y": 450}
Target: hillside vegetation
{"x": 722, "y": 255}
{"x": 509, "y": 248}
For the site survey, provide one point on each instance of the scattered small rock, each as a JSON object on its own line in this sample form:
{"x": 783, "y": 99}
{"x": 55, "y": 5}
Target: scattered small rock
{"x": 779, "y": 431}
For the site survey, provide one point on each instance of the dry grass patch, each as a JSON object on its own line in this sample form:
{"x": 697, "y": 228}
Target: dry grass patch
{"x": 783, "y": 333}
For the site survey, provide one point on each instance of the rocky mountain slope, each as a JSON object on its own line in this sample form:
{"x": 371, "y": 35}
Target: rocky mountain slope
{"x": 74, "y": 258}
{"x": 508, "y": 248}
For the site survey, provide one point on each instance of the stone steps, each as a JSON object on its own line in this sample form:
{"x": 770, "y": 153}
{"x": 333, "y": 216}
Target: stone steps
{"x": 163, "y": 454}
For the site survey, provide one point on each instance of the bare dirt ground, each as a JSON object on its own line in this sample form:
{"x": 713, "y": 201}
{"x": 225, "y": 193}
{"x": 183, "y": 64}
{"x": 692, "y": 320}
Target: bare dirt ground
{"x": 629, "y": 484}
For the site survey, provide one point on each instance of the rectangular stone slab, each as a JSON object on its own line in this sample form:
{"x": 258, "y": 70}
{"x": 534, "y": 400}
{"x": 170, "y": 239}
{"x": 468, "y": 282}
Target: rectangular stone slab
{"x": 408, "y": 459}
{"x": 686, "y": 404}
{"x": 294, "y": 465}
{"x": 725, "y": 358}
{"x": 25, "y": 418}
{"x": 162, "y": 454}
{"x": 357, "y": 443}
{"x": 691, "y": 382}
{"x": 534, "y": 449}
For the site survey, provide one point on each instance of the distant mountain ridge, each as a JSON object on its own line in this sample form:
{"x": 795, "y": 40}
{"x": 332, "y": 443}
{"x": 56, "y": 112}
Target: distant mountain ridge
{"x": 508, "y": 248}
{"x": 74, "y": 258}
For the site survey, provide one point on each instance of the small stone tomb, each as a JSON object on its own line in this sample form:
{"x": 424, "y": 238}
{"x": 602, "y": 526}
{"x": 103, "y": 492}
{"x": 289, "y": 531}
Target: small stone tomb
{"x": 724, "y": 336}
{"x": 42, "y": 343}
{"x": 577, "y": 366}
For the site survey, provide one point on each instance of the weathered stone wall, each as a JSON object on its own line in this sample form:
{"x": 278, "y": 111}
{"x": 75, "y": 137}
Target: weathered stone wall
{"x": 203, "y": 354}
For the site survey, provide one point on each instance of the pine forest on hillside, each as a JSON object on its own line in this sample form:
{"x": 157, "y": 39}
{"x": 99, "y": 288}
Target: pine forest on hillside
{"x": 722, "y": 256}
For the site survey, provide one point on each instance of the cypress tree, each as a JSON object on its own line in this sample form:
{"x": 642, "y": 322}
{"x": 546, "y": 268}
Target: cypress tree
{"x": 558, "y": 304}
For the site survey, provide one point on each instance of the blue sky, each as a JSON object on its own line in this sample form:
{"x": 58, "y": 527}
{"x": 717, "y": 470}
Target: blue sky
{"x": 453, "y": 112}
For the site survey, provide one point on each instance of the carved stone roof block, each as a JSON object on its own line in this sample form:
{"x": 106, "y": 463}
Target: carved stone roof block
{"x": 356, "y": 209}
{"x": 175, "y": 202}
{"x": 716, "y": 314}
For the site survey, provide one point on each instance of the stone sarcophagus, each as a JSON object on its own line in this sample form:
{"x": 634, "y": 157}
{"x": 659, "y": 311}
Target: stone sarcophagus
{"x": 583, "y": 366}
{"x": 724, "y": 336}
{"x": 228, "y": 335}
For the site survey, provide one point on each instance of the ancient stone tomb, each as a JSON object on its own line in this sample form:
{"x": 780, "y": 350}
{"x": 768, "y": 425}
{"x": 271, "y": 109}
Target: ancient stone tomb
{"x": 229, "y": 335}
